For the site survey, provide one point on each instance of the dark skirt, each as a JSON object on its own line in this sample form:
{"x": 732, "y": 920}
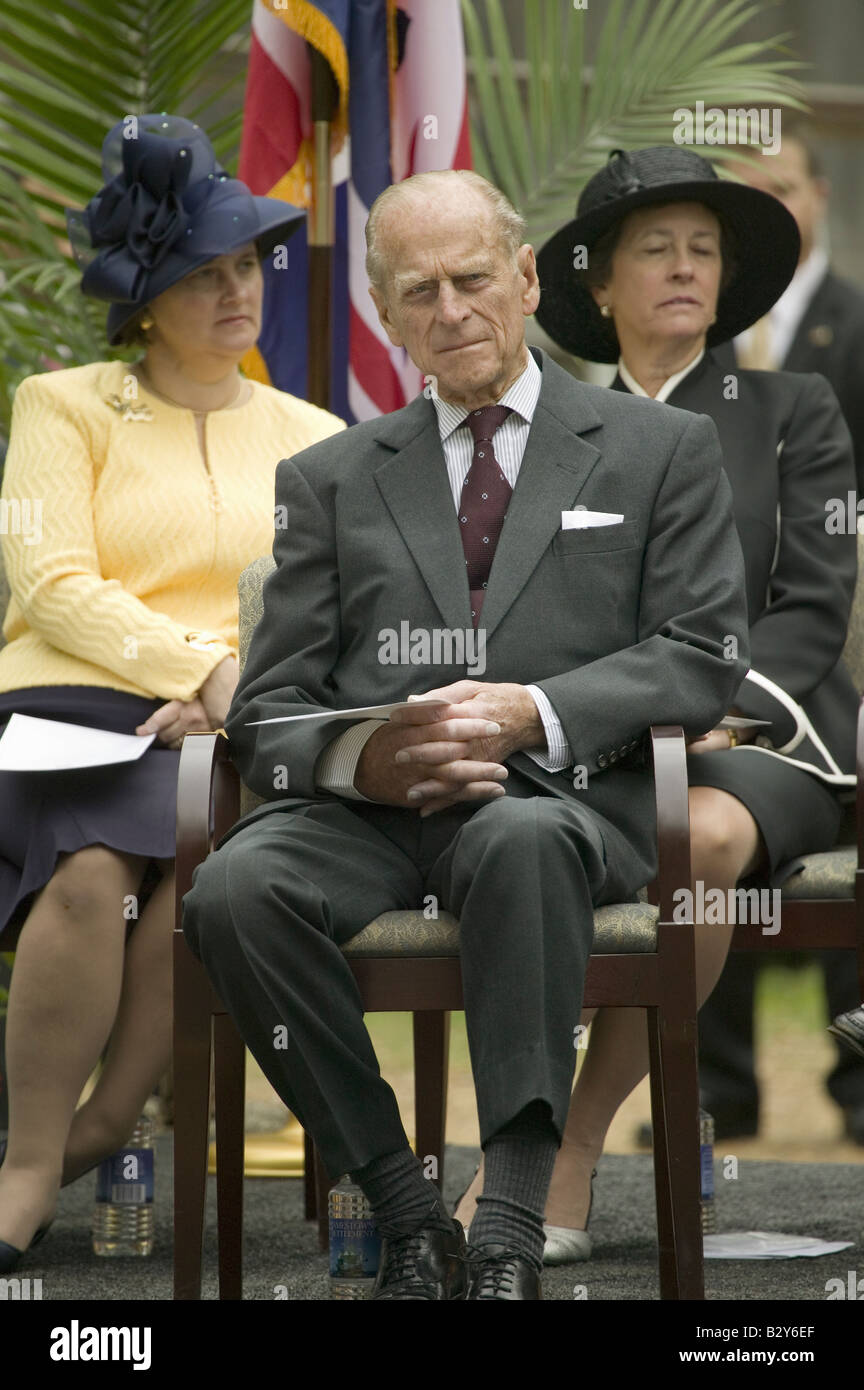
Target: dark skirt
{"x": 796, "y": 813}
{"x": 129, "y": 807}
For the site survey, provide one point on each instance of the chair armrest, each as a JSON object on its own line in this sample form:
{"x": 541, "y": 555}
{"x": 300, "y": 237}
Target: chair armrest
{"x": 208, "y": 803}
{"x": 673, "y": 814}
{"x": 859, "y": 792}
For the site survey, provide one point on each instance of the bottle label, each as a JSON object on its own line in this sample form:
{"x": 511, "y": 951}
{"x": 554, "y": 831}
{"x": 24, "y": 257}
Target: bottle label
{"x": 706, "y": 1153}
{"x": 126, "y": 1178}
{"x": 355, "y": 1248}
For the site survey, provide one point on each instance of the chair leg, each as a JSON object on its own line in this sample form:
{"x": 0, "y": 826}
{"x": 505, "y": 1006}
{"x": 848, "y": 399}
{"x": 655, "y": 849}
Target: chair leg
{"x": 675, "y": 1123}
{"x": 431, "y": 1057}
{"x": 192, "y": 1017}
{"x": 310, "y": 1195}
{"x": 659, "y": 1131}
{"x": 230, "y": 1085}
{"x": 322, "y": 1188}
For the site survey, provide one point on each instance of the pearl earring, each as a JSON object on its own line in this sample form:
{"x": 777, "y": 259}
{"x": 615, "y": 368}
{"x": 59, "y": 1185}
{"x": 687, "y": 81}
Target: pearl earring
{"x": 605, "y": 311}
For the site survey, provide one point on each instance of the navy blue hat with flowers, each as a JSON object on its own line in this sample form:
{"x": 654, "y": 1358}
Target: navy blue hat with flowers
{"x": 167, "y": 208}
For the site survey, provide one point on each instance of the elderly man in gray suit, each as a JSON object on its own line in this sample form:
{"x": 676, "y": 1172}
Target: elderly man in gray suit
{"x": 587, "y": 537}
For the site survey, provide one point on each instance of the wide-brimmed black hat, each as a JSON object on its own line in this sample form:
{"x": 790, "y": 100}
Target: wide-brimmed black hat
{"x": 766, "y": 245}
{"x": 167, "y": 208}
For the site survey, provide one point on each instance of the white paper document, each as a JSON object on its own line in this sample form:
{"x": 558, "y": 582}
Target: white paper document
{"x": 768, "y": 1245}
{"x": 737, "y": 721}
{"x": 29, "y": 744}
{"x": 355, "y": 715}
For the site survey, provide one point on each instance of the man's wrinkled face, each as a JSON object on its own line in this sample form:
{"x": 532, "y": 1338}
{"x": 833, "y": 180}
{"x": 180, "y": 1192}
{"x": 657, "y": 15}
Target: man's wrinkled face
{"x": 456, "y": 298}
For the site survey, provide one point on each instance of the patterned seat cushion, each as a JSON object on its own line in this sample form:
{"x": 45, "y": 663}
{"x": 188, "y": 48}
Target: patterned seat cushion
{"x": 621, "y": 929}
{"x": 828, "y": 875}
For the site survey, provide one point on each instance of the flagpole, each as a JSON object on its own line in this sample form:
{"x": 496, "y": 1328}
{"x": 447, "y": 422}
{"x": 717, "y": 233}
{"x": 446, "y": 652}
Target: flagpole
{"x": 284, "y": 1153}
{"x": 324, "y": 94}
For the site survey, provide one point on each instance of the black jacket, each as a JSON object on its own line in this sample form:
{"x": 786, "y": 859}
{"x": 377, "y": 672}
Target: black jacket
{"x": 786, "y": 452}
{"x": 830, "y": 340}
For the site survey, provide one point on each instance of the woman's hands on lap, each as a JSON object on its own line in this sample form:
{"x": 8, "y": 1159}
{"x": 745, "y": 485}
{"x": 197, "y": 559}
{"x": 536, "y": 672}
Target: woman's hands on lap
{"x": 217, "y": 692}
{"x": 172, "y": 721}
{"x": 209, "y": 709}
{"x": 718, "y": 739}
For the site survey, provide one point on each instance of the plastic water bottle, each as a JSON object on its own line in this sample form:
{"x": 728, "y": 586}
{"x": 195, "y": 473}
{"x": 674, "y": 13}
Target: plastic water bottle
{"x": 123, "y": 1212}
{"x": 355, "y": 1245}
{"x": 706, "y": 1167}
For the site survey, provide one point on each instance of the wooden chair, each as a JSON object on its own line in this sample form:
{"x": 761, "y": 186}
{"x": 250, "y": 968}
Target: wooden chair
{"x": 404, "y": 962}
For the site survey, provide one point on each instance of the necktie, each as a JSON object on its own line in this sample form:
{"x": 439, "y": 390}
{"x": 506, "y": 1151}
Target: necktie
{"x": 483, "y": 504}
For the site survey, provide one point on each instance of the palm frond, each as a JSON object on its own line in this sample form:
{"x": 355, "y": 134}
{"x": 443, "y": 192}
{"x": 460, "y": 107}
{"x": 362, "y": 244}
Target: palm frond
{"x": 542, "y": 141}
{"x": 68, "y": 73}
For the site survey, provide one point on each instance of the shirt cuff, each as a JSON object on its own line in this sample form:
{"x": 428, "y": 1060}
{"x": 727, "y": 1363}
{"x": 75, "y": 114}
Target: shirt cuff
{"x": 558, "y": 753}
{"x": 337, "y": 763}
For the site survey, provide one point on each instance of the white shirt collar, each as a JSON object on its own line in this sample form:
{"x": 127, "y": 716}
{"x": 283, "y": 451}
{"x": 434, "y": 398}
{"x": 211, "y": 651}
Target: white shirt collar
{"x": 668, "y": 385}
{"x": 521, "y": 398}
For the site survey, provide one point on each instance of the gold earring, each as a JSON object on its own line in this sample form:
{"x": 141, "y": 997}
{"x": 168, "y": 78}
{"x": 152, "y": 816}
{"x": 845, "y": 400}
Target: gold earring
{"x": 146, "y": 322}
{"x": 605, "y": 311}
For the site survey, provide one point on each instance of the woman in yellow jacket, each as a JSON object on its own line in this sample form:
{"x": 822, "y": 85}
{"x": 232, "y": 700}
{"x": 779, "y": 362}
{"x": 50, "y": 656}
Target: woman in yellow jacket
{"x": 140, "y": 492}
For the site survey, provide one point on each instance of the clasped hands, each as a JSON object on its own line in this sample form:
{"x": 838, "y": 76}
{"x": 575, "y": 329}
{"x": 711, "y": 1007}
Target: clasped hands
{"x": 718, "y": 739}
{"x": 430, "y": 759}
{"x": 208, "y": 710}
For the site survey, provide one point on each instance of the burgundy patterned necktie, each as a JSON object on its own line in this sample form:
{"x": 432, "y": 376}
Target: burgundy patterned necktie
{"x": 483, "y": 505}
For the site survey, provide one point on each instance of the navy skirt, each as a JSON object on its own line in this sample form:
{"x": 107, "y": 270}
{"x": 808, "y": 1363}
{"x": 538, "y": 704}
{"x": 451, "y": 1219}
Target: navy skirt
{"x": 795, "y": 811}
{"x": 130, "y": 807}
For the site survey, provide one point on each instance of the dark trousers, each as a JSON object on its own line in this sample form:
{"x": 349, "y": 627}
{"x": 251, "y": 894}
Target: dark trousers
{"x": 726, "y": 1053}
{"x": 269, "y": 910}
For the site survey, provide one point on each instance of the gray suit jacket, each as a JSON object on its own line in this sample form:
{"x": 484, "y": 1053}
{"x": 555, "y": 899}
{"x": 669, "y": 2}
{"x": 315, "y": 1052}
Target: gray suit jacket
{"x": 622, "y": 626}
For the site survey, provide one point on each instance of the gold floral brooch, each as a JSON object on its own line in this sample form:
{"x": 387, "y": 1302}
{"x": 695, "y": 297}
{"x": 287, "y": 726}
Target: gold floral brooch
{"x": 128, "y": 410}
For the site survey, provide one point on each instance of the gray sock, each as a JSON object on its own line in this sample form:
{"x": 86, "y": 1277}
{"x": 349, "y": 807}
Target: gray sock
{"x": 402, "y": 1199}
{"x": 518, "y": 1169}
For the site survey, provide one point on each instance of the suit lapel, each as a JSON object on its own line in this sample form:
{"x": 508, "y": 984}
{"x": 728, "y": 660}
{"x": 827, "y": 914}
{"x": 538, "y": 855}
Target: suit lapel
{"x": 815, "y": 331}
{"x": 415, "y": 487}
{"x": 555, "y": 467}
{"x": 414, "y": 484}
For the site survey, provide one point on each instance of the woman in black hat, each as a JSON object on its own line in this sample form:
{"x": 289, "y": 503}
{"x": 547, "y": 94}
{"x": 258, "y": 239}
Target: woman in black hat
{"x": 148, "y": 488}
{"x": 663, "y": 261}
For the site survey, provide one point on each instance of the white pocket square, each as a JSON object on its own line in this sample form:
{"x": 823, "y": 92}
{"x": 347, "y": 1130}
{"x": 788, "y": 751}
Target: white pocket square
{"x": 575, "y": 521}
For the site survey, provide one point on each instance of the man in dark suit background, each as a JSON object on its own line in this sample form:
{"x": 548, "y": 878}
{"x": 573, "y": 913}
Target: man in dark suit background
{"x": 615, "y": 588}
{"x": 817, "y": 325}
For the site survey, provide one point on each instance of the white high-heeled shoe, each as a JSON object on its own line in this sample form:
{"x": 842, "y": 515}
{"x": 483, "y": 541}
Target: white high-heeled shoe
{"x": 564, "y": 1245}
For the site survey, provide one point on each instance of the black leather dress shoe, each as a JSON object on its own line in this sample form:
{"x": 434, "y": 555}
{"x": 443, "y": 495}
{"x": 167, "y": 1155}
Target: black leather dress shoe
{"x": 853, "y": 1123}
{"x": 850, "y": 1029}
{"x": 496, "y": 1272}
{"x": 428, "y": 1265}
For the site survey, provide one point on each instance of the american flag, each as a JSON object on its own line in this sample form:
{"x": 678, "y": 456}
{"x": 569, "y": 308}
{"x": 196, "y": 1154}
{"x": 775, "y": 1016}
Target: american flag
{"x": 400, "y": 70}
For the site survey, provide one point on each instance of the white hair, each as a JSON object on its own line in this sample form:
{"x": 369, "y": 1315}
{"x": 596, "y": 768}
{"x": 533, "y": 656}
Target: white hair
{"x": 509, "y": 224}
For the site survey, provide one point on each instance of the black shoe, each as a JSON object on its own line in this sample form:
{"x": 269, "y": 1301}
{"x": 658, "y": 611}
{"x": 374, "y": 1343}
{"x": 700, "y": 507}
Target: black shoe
{"x": 10, "y": 1254}
{"x": 853, "y": 1123}
{"x": 430, "y": 1265}
{"x": 849, "y": 1028}
{"x": 494, "y": 1271}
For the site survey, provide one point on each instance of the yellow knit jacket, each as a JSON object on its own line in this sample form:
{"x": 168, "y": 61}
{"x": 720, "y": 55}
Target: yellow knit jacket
{"x": 122, "y": 549}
